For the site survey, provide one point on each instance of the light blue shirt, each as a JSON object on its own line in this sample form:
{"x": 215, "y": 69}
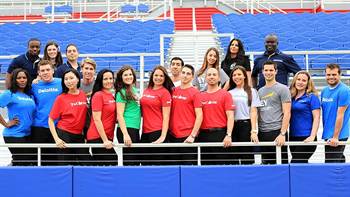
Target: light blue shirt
{"x": 45, "y": 94}
{"x": 331, "y": 100}
{"x": 18, "y": 105}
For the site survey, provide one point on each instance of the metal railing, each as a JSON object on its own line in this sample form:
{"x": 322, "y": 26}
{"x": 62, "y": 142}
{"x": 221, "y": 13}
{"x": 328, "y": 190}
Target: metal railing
{"x": 306, "y": 54}
{"x": 111, "y": 8}
{"x": 194, "y": 35}
{"x": 119, "y": 147}
{"x": 270, "y": 6}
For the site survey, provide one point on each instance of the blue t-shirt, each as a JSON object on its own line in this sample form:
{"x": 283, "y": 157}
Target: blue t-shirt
{"x": 301, "y": 115}
{"x": 45, "y": 94}
{"x": 18, "y": 105}
{"x": 331, "y": 99}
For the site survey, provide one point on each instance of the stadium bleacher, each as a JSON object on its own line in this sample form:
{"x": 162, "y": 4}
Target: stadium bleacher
{"x": 296, "y": 32}
{"x": 59, "y": 9}
{"x": 90, "y": 37}
{"x": 128, "y": 8}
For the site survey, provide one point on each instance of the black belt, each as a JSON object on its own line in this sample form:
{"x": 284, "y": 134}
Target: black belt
{"x": 214, "y": 129}
{"x": 241, "y": 121}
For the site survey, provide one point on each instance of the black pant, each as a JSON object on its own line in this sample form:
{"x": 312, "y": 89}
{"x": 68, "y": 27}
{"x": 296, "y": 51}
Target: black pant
{"x": 335, "y": 154}
{"x": 301, "y": 154}
{"x": 241, "y": 133}
{"x": 131, "y": 156}
{"x": 268, "y": 153}
{"x": 42, "y": 135}
{"x": 214, "y": 155}
{"x": 72, "y": 156}
{"x": 103, "y": 156}
{"x": 21, "y": 156}
{"x": 157, "y": 155}
{"x": 182, "y": 155}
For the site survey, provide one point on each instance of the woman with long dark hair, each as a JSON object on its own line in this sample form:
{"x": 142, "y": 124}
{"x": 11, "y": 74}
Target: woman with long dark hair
{"x": 155, "y": 104}
{"x": 53, "y": 54}
{"x": 20, "y": 106}
{"x": 246, "y": 102}
{"x": 211, "y": 60}
{"x": 128, "y": 112}
{"x": 69, "y": 109}
{"x": 103, "y": 119}
{"x": 235, "y": 56}
{"x": 305, "y": 116}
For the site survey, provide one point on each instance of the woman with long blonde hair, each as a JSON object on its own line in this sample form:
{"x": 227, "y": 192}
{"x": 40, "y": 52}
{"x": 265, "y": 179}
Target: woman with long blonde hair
{"x": 305, "y": 116}
{"x": 211, "y": 60}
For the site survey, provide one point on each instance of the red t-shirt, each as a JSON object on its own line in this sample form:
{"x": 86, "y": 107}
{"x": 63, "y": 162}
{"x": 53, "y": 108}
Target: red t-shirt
{"x": 214, "y": 108}
{"x": 183, "y": 116}
{"x": 70, "y": 110}
{"x": 103, "y": 102}
{"x": 152, "y": 102}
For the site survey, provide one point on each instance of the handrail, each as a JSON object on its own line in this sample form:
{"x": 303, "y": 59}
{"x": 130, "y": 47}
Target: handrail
{"x": 318, "y": 52}
{"x": 189, "y": 34}
{"x": 230, "y": 6}
{"x": 261, "y": 5}
{"x": 78, "y": 6}
{"x": 108, "y": 13}
{"x": 147, "y": 145}
{"x": 271, "y": 5}
{"x": 306, "y": 53}
{"x": 98, "y": 55}
{"x": 119, "y": 147}
{"x": 194, "y": 24}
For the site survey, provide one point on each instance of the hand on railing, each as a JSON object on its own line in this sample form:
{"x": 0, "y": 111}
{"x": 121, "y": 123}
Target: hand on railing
{"x": 189, "y": 139}
{"x": 108, "y": 144}
{"x": 254, "y": 138}
{"x": 127, "y": 140}
{"x": 227, "y": 141}
{"x": 280, "y": 140}
{"x": 311, "y": 138}
{"x": 333, "y": 142}
{"x": 60, "y": 143}
{"x": 159, "y": 140}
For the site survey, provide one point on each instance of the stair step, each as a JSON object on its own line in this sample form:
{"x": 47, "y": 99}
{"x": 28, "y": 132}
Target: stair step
{"x": 203, "y": 17}
{"x": 183, "y": 18}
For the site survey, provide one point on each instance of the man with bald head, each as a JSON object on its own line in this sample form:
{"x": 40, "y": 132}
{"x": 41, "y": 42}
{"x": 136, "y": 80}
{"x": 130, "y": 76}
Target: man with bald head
{"x": 285, "y": 63}
{"x": 28, "y": 61}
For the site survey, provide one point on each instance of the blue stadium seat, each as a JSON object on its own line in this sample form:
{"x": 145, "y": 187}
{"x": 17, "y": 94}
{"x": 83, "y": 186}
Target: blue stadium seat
{"x": 320, "y": 61}
{"x": 143, "y": 8}
{"x": 331, "y": 45}
{"x": 90, "y": 37}
{"x": 128, "y": 8}
{"x": 304, "y": 31}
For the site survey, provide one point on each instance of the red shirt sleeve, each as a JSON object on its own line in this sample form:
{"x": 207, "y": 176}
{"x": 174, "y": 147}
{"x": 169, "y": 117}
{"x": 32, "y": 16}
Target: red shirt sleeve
{"x": 165, "y": 99}
{"x": 56, "y": 109}
{"x": 229, "y": 104}
{"x": 97, "y": 102}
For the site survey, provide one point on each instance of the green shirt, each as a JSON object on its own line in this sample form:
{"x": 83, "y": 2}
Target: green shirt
{"x": 132, "y": 112}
